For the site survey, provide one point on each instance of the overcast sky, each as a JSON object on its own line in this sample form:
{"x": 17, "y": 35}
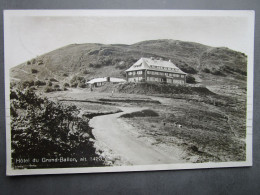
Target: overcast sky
{"x": 29, "y": 36}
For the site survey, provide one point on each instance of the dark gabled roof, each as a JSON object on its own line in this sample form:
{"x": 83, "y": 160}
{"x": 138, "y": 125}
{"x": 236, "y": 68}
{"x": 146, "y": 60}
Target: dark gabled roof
{"x": 155, "y": 64}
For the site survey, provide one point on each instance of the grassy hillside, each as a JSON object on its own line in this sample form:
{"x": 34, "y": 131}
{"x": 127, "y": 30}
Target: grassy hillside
{"x": 97, "y": 60}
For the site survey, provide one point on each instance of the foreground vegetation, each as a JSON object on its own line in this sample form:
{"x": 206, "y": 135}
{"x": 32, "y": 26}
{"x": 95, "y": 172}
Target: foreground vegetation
{"x": 42, "y": 129}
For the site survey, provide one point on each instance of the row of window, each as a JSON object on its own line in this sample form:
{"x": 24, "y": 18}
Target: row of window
{"x": 135, "y": 72}
{"x": 135, "y": 79}
{"x": 164, "y": 73}
{"x": 175, "y": 81}
{"x": 155, "y": 73}
{"x": 154, "y": 79}
{"x": 163, "y": 68}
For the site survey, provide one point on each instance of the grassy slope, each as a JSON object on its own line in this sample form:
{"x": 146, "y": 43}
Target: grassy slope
{"x": 112, "y": 60}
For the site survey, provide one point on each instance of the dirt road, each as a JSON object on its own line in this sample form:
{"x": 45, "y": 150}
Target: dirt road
{"x": 117, "y": 135}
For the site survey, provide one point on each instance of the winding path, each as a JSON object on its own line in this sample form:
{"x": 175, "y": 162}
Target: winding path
{"x": 115, "y": 134}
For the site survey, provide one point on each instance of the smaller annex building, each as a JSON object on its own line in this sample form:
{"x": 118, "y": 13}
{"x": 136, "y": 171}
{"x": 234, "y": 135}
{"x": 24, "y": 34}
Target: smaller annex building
{"x": 155, "y": 70}
{"x": 97, "y": 82}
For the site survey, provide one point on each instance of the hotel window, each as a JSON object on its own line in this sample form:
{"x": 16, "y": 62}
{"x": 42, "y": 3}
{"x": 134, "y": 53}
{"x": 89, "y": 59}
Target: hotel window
{"x": 139, "y": 72}
{"x": 133, "y": 73}
{"x": 130, "y": 73}
{"x": 182, "y": 76}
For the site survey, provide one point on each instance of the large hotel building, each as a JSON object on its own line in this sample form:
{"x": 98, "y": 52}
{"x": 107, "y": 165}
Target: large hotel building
{"x": 155, "y": 70}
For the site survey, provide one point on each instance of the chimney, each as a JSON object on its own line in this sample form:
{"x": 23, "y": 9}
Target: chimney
{"x": 170, "y": 61}
{"x": 108, "y": 79}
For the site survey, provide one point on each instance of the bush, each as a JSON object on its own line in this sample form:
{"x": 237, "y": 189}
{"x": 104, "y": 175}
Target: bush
{"x": 206, "y": 70}
{"x": 33, "y": 135}
{"x": 82, "y": 85}
{"x": 53, "y": 80}
{"x": 48, "y": 89}
{"x": 56, "y": 86}
{"x": 33, "y": 61}
{"x": 188, "y": 69}
{"x": 121, "y": 67}
{"x": 85, "y": 72}
{"x": 65, "y": 75}
{"x": 27, "y": 84}
{"x": 34, "y": 71}
{"x": 74, "y": 85}
{"x": 143, "y": 113}
{"x": 39, "y": 83}
{"x": 190, "y": 79}
{"x": 66, "y": 85}
{"x": 49, "y": 84}
{"x": 28, "y": 63}
{"x": 217, "y": 72}
{"x": 78, "y": 81}
{"x": 40, "y": 62}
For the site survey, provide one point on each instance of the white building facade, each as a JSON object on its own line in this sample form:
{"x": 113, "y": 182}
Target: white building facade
{"x": 155, "y": 70}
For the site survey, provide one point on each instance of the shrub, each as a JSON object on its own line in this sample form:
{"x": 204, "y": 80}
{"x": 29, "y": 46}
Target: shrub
{"x": 66, "y": 85}
{"x": 143, "y": 113}
{"x": 206, "y": 70}
{"x": 48, "y": 89}
{"x": 85, "y": 72}
{"x": 56, "y": 86}
{"x": 78, "y": 81}
{"x": 49, "y": 84}
{"x": 217, "y": 72}
{"x": 34, "y": 71}
{"x": 188, "y": 69}
{"x": 82, "y": 85}
{"x": 39, "y": 83}
{"x": 121, "y": 66}
{"x": 28, "y": 63}
{"x": 65, "y": 75}
{"x": 40, "y": 62}
{"x": 190, "y": 79}
{"x": 74, "y": 85}
{"x": 33, "y": 61}
{"x": 27, "y": 84}
{"x": 53, "y": 80}
{"x": 33, "y": 134}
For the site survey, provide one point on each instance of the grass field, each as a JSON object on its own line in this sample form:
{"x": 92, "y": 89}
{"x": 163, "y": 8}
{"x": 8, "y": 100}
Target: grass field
{"x": 204, "y": 130}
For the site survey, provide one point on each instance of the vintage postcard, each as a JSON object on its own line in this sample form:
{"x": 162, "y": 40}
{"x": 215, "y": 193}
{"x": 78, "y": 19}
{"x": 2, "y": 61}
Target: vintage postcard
{"x": 127, "y": 90}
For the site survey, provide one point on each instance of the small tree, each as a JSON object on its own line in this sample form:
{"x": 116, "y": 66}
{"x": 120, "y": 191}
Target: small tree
{"x": 34, "y": 71}
{"x": 190, "y": 79}
{"x": 66, "y": 85}
{"x": 49, "y": 84}
{"x": 56, "y": 86}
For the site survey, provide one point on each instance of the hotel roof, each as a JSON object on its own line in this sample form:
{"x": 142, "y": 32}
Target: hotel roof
{"x": 155, "y": 64}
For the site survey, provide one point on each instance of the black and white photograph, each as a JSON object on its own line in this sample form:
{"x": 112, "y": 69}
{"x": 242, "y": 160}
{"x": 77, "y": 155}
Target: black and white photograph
{"x": 127, "y": 90}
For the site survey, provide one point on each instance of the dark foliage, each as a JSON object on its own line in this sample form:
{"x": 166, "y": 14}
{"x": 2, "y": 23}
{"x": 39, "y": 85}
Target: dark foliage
{"x": 34, "y": 71}
{"x": 78, "y": 81}
{"x": 190, "y": 79}
{"x": 143, "y": 113}
{"x": 53, "y": 80}
{"x": 27, "y": 84}
{"x": 44, "y": 129}
{"x": 39, "y": 83}
{"x": 206, "y": 70}
{"x": 48, "y": 89}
